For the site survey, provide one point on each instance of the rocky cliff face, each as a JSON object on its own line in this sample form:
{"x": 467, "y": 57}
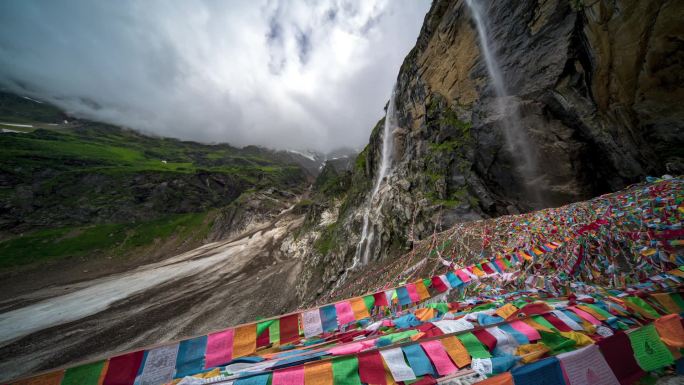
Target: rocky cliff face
{"x": 598, "y": 89}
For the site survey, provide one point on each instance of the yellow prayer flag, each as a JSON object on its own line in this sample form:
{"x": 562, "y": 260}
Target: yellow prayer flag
{"x": 422, "y": 290}
{"x": 668, "y": 303}
{"x": 579, "y": 338}
{"x": 506, "y": 310}
{"x": 54, "y": 378}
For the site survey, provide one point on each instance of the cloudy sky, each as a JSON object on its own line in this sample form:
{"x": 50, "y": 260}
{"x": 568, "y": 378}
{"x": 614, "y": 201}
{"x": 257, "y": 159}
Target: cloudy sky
{"x": 287, "y": 74}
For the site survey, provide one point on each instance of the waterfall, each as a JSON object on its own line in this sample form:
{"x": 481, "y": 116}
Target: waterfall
{"x": 516, "y": 139}
{"x": 363, "y": 248}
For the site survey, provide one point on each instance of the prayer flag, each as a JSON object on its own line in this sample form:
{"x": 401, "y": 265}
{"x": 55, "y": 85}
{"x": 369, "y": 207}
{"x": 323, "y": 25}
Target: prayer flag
{"x": 289, "y": 329}
{"x": 318, "y": 373}
{"x": 244, "y": 340}
{"x": 419, "y": 362}
{"x": 371, "y": 368}
{"x": 380, "y": 299}
{"x": 649, "y": 350}
{"x": 546, "y": 371}
{"x": 346, "y": 371}
{"x": 190, "y": 358}
{"x": 219, "y": 348}
{"x": 413, "y": 292}
{"x": 473, "y": 346}
{"x": 160, "y": 365}
{"x": 312, "y": 324}
{"x": 439, "y": 357}
{"x": 345, "y": 313}
{"x": 394, "y": 358}
{"x": 587, "y": 366}
{"x": 359, "y": 308}
{"x": 293, "y": 375}
{"x": 123, "y": 369}
{"x": 456, "y": 351}
{"x": 88, "y": 374}
{"x": 422, "y": 290}
{"x": 619, "y": 355}
{"x": 329, "y": 318}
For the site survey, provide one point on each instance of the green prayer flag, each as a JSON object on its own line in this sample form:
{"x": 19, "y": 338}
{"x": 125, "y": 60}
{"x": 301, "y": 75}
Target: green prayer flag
{"x": 649, "y": 351}
{"x": 88, "y": 374}
{"x": 600, "y": 310}
{"x": 543, "y": 322}
{"x": 274, "y": 332}
{"x": 427, "y": 282}
{"x": 261, "y": 326}
{"x": 346, "y": 371}
{"x": 369, "y": 300}
{"x": 440, "y": 306}
{"x": 556, "y": 342}
{"x": 644, "y": 305}
{"x": 678, "y": 300}
{"x": 474, "y": 346}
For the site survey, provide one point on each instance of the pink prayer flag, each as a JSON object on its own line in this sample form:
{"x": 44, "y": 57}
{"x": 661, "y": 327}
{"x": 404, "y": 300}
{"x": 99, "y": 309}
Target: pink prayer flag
{"x": 413, "y": 292}
{"x": 346, "y": 349}
{"x": 463, "y": 276}
{"x": 345, "y": 314}
{"x": 501, "y": 265}
{"x": 289, "y": 376}
{"x": 439, "y": 357}
{"x": 531, "y": 333}
{"x": 585, "y": 315}
{"x": 219, "y": 348}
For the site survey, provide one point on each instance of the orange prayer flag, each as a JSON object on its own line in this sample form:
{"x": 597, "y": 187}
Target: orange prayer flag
{"x": 478, "y": 272}
{"x": 359, "y": 308}
{"x": 668, "y": 303}
{"x": 456, "y": 351}
{"x": 318, "y": 373}
{"x": 505, "y": 378}
{"x": 54, "y": 378}
{"x": 670, "y": 330}
{"x": 506, "y": 310}
{"x": 422, "y": 290}
{"x": 244, "y": 340}
{"x": 425, "y": 314}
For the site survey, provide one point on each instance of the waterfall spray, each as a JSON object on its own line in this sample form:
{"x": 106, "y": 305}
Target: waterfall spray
{"x": 516, "y": 139}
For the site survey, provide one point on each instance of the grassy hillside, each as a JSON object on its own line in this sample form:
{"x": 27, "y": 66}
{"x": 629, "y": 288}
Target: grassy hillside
{"x": 73, "y": 189}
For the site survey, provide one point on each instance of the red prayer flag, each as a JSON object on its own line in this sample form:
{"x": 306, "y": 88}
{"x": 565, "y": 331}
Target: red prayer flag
{"x": 380, "y": 299}
{"x": 557, "y": 323}
{"x": 487, "y": 339}
{"x": 371, "y": 368}
{"x": 289, "y": 329}
{"x": 438, "y": 284}
{"x": 617, "y": 350}
{"x": 123, "y": 369}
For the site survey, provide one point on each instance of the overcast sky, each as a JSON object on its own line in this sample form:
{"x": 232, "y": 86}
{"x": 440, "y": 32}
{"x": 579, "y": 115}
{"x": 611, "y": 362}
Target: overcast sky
{"x": 284, "y": 74}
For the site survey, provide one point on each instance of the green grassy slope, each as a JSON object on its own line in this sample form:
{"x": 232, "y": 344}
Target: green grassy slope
{"x": 86, "y": 187}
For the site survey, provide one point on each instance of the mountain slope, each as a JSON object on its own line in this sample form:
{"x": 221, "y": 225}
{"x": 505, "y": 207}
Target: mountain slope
{"x": 597, "y": 90}
{"x": 73, "y": 192}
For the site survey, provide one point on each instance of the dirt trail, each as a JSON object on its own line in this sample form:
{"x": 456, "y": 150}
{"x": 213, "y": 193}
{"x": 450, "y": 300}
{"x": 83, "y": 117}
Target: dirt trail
{"x": 212, "y": 287}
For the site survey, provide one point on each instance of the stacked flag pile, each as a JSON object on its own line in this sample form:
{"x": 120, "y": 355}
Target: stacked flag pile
{"x": 589, "y": 293}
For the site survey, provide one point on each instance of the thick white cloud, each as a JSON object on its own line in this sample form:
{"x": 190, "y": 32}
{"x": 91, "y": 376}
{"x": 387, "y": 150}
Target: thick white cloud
{"x": 285, "y": 74}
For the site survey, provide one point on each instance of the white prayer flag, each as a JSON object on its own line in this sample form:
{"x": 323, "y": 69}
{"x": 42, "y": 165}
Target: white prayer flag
{"x": 394, "y": 358}
{"x": 312, "y": 323}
